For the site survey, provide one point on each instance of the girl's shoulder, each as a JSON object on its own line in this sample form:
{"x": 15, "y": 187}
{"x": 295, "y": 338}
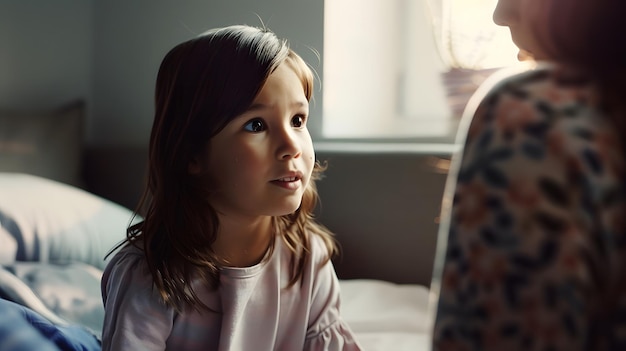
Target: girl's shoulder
{"x": 322, "y": 247}
{"x": 126, "y": 253}
{"x": 315, "y": 245}
{"x": 128, "y": 261}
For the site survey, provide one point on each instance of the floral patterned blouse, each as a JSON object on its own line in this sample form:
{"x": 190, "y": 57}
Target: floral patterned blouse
{"x": 532, "y": 244}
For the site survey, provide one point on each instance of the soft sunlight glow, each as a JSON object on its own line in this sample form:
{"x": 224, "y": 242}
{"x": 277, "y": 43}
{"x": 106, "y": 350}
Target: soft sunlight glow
{"x": 384, "y": 61}
{"x": 471, "y": 39}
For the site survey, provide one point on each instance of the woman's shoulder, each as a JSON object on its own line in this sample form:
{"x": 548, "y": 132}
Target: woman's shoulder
{"x": 502, "y": 80}
{"x": 532, "y": 94}
{"x": 540, "y": 122}
{"x": 503, "y": 77}
{"x": 549, "y": 82}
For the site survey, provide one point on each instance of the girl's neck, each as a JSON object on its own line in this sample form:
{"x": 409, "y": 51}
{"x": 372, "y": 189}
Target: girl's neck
{"x": 243, "y": 242}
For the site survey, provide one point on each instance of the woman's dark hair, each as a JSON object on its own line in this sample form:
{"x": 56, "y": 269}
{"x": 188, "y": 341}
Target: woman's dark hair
{"x": 590, "y": 34}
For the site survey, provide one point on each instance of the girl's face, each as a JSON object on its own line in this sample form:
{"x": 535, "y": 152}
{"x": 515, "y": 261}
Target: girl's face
{"x": 521, "y": 18}
{"x": 261, "y": 162}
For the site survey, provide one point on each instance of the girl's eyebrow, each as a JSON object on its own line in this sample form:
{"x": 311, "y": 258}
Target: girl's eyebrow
{"x": 260, "y": 106}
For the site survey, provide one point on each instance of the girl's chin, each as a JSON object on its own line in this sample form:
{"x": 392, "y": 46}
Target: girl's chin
{"x": 287, "y": 208}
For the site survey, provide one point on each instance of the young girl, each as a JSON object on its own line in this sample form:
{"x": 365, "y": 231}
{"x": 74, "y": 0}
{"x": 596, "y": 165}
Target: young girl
{"x": 228, "y": 256}
{"x": 533, "y": 236}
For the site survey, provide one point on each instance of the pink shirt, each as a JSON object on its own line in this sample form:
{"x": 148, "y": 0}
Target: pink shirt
{"x": 256, "y": 312}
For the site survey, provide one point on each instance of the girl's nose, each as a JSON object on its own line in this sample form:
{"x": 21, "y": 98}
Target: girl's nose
{"x": 506, "y": 12}
{"x": 289, "y": 145}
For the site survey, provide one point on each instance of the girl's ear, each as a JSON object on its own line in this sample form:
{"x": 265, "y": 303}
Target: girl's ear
{"x": 198, "y": 162}
{"x": 195, "y": 166}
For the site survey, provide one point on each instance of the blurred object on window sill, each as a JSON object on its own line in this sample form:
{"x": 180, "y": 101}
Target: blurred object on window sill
{"x": 460, "y": 84}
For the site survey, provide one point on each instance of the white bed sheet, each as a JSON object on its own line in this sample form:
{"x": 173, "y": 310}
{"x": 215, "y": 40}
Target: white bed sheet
{"x": 385, "y": 316}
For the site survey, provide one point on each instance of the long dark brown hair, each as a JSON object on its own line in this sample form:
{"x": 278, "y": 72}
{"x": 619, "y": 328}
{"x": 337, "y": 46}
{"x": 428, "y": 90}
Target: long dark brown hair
{"x": 589, "y": 34}
{"x": 202, "y": 84}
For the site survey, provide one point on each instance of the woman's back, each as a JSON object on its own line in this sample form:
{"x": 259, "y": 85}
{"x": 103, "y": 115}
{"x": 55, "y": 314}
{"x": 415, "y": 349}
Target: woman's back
{"x": 536, "y": 239}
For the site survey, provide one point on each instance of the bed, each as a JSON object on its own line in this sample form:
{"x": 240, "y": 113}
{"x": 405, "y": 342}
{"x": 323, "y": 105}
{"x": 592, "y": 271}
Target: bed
{"x": 54, "y": 234}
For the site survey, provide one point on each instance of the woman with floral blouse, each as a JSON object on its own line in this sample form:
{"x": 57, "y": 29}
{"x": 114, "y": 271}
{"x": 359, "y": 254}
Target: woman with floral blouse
{"x": 532, "y": 244}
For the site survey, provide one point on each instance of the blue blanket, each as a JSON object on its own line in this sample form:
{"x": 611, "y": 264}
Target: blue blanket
{"x": 22, "y": 329}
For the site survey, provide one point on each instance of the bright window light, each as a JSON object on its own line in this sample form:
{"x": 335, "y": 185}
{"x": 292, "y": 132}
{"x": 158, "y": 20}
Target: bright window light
{"x": 469, "y": 38}
{"x": 383, "y": 66}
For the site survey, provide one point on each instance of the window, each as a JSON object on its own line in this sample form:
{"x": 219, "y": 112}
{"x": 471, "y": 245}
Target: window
{"x": 401, "y": 69}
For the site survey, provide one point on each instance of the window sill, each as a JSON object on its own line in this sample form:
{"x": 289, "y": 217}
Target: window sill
{"x": 444, "y": 144}
{"x": 386, "y": 147}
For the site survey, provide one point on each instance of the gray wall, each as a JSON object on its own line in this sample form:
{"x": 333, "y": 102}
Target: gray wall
{"x": 107, "y": 52}
{"x": 46, "y": 50}
{"x": 384, "y": 210}
{"x": 133, "y": 36}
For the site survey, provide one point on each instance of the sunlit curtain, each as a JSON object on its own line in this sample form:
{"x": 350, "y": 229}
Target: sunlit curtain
{"x": 470, "y": 44}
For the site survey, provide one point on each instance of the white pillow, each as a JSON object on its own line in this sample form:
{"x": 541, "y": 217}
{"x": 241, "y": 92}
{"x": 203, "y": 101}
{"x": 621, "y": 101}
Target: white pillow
{"x": 48, "y": 221}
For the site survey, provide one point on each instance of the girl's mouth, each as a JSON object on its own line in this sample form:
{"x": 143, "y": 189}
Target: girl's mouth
{"x": 287, "y": 179}
{"x": 289, "y": 183}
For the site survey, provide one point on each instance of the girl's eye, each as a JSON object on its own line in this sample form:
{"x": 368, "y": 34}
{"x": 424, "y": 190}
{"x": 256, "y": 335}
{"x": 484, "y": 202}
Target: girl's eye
{"x": 255, "y": 126}
{"x": 298, "y": 121}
